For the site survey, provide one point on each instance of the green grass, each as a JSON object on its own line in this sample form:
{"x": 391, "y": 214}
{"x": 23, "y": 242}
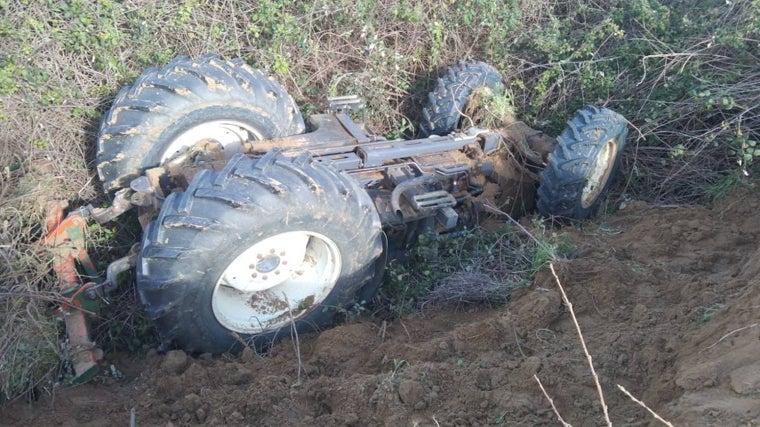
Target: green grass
{"x": 684, "y": 73}
{"x": 477, "y": 266}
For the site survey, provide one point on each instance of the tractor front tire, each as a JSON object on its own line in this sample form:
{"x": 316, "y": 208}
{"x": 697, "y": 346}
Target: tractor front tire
{"x": 583, "y": 164}
{"x": 260, "y": 250}
{"x": 167, "y": 111}
{"x": 446, "y": 102}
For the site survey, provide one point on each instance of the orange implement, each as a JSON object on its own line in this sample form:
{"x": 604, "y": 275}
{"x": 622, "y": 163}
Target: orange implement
{"x": 66, "y": 242}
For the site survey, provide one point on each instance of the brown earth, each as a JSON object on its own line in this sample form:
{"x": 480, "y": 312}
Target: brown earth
{"x": 668, "y": 299}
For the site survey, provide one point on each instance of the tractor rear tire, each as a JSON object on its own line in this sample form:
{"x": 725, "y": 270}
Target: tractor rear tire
{"x": 166, "y": 111}
{"x": 260, "y": 250}
{"x": 446, "y": 102}
{"x": 583, "y": 164}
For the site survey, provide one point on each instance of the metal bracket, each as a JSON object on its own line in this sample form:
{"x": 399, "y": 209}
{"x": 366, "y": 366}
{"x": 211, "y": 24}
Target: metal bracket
{"x": 121, "y": 203}
{"x": 336, "y": 104}
{"x": 432, "y": 200}
{"x": 114, "y": 269}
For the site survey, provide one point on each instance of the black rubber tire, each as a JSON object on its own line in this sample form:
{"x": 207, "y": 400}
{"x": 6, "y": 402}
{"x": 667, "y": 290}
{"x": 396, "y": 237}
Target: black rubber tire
{"x": 162, "y": 104}
{"x": 445, "y": 103}
{"x": 567, "y": 189}
{"x": 199, "y": 233}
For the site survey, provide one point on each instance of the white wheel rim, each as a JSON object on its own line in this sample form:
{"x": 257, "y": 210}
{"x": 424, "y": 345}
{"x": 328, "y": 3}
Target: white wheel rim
{"x": 600, "y": 173}
{"x": 276, "y": 281}
{"x": 230, "y": 134}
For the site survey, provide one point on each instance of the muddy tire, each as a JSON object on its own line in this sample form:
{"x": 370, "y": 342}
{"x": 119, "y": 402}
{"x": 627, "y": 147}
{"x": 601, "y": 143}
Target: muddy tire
{"x": 445, "y": 103}
{"x": 250, "y": 250}
{"x": 168, "y": 110}
{"x": 583, "y": 164}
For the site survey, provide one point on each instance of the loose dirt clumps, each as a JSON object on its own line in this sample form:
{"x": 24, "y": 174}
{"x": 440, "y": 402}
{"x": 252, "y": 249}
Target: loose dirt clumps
{"x": 668, "y": 299}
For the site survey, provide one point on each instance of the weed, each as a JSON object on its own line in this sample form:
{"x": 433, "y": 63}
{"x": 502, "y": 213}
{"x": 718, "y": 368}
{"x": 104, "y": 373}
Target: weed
{"x": 494, "y": 107}
{"x": 27, "y": 352}
{"x": 501, "y": 419}
{"x": 549, "y": 247}
{"x": 475, "y": 267}
{"x": 394, "y": 376}
{"x": 721, "y": 188}
{"x": 707, "y": 313}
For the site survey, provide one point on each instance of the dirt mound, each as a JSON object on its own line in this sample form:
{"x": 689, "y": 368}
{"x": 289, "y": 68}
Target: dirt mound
{"x": 667, "y": 298}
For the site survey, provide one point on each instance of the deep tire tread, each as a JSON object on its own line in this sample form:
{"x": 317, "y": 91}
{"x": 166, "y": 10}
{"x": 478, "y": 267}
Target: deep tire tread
{"x": 571, "y": 163}
{"x": 131, "y": 133}
{"x": 446, "y": 101}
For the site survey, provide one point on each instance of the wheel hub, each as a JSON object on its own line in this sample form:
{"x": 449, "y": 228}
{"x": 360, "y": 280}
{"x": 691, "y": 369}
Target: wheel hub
{"x": 600, "y": 173}
{"x": 268, "y": 264}
{"x": 275, "y": 281}
{"x": 229, "y": 134}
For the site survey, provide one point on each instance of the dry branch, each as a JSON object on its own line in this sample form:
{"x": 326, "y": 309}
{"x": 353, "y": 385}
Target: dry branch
{"x": 583, "y": 344}
{"x": 551, "y": 402}
{"x": 654, "y": 414}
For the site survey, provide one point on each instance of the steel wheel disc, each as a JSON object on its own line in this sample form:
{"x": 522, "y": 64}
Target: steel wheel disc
{"x": 230, "y": 134}
{"x": 600, "y": 173}
{"x": 276, "y": 281}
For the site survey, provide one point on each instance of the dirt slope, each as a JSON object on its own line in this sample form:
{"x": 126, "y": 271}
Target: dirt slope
{"x": 668, "y": 299}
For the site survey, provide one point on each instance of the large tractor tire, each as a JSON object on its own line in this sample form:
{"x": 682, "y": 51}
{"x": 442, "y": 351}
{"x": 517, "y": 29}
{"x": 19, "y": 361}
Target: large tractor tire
{"x": 446, "y": 102}
{"x": 257, "y": 251}
{"x": 583, "y": 164}
{"x": 167, "y": 111}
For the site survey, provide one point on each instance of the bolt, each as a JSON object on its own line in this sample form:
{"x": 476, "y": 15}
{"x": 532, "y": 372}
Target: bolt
{"x": 252, "y": 266}
{"x": 277, "y": 272}
{"x": 282, "y": 253}
{"x": 271, "y": 251}
{"x": 284, "y": 262}
{"x": 259, "y": 256}
{"x": 264, "y": 277}
{"x": 254, "y": 275}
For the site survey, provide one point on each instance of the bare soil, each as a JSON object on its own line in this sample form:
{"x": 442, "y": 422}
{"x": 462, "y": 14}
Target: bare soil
{"x": 668, "y": 299}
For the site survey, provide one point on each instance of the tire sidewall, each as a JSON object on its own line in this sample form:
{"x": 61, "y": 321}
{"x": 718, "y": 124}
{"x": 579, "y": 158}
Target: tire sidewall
{"x": 186, "y": 120}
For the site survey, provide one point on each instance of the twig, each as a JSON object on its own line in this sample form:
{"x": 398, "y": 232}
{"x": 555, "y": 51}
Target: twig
{"x": 731, "y": 333}
{"x": 654, "y": 414}
{"x": 296, "y": 348}
{"x": 517, "y": 341}
{"x": 551, "y": 402}
{"x": 406, "y": 330}
{"x": 583, "y": 344}
{"x": 498, "y": 211}
{"x": 296, "y": 341}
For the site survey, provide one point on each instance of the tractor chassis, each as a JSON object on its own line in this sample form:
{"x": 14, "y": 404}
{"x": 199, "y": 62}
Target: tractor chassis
{"x": 421, "y": 186}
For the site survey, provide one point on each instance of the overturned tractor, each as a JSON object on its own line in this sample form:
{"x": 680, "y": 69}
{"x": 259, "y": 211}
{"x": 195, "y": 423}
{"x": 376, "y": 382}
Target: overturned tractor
{"x": 255, "y": 220}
